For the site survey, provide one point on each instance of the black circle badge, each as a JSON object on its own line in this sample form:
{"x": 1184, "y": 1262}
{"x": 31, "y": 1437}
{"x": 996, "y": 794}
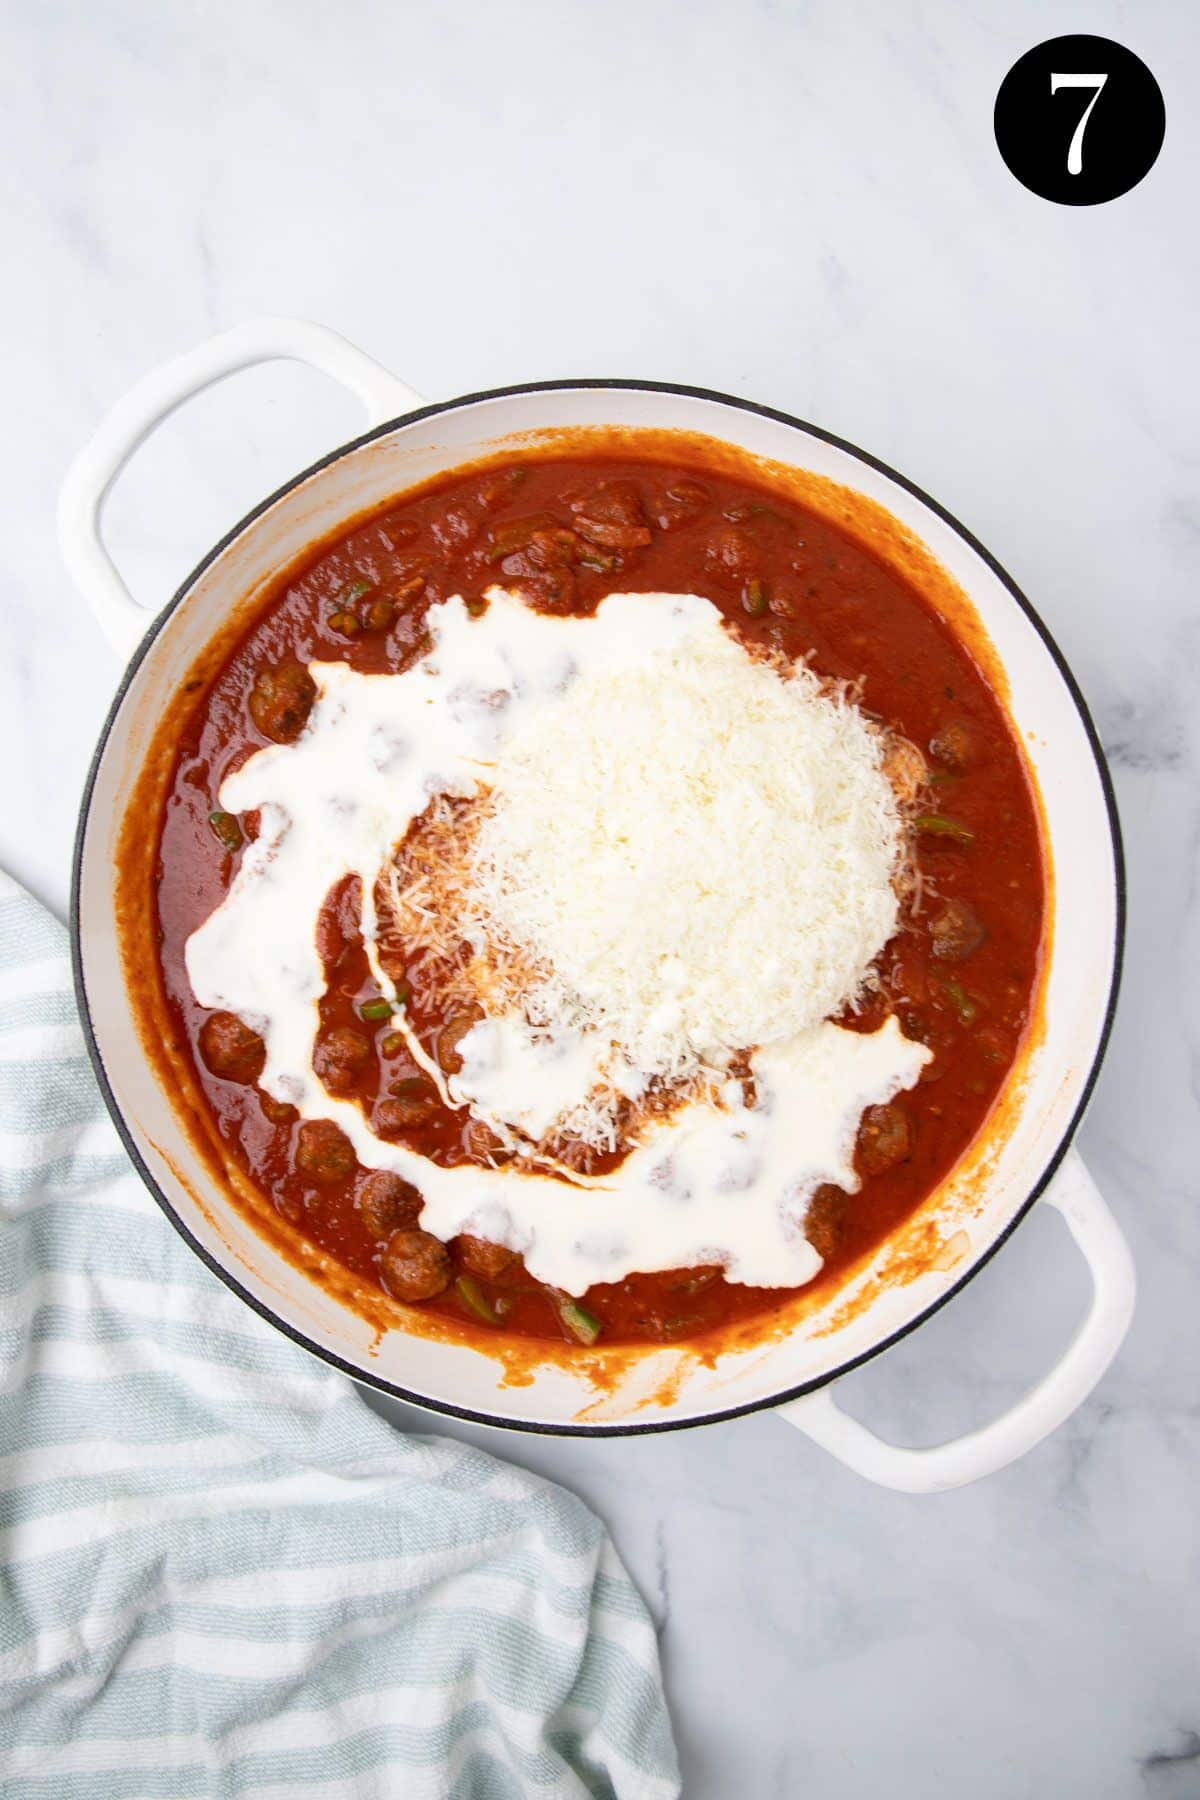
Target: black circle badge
{"x": 1079, "y": 120}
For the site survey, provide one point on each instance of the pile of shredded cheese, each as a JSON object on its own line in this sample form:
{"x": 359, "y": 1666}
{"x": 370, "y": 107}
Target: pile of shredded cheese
{"x": 698, "y": 852}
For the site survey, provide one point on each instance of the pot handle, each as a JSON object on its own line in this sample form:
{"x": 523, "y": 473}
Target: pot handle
{"x": 1043, "y": 1409}
{"x": 155, "y": 397}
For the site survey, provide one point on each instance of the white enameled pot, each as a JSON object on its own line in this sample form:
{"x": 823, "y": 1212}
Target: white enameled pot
{"x": 407, "y": 442}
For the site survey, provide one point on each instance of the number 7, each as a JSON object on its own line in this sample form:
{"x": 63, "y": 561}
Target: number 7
{"x": 1075, "y": 153}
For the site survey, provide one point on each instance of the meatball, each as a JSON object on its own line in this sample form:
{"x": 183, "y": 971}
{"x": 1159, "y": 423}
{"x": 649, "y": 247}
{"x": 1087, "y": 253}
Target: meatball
{"x": 730, "y": 553}
{"x": 411, "y": 1100}
{"x": 387, "y": 1203}
{"x": 280, "y": 1112}
{"x": 408, "y": 1103}
{"x": 956, "y": 931}
{"x": 323, "y": 1151}
{"x": 390, "y": 1120}
{"x": 681, "y": 504}
{"x": 230, "y": 1049}
{"x": 545, "y": 571}
{"x": 540, "y": 556}
{"x": 339, "y": 1058}
{"x": 884, "y": 1139}
{"x": 450, "y": 1037}
{"x": 339, "y": 923}
{"x": 611, "y": 516}
{"x": 953, "y": 745}
{"x": 281, "y": 700}
{"x": 415, "y": 1265}
{"x": 825, "y": 1219}
{"x": 481, "y": 1143}
{"x": 478, "y": 1257}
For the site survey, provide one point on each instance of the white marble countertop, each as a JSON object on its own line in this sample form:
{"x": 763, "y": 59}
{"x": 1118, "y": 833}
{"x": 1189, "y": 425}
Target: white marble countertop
{"x": 801, "y": 204}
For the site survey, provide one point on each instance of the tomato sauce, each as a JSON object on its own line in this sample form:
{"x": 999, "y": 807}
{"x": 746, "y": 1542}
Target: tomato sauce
{"x": 961, "y": 973}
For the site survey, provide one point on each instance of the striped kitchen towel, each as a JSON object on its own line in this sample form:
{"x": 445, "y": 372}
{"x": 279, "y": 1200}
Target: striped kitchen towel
{"x": 220, "y": 1572}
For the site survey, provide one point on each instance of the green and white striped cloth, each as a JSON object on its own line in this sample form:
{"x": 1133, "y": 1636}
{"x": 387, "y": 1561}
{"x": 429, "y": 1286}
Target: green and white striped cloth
{"x": 220, "y": 1572}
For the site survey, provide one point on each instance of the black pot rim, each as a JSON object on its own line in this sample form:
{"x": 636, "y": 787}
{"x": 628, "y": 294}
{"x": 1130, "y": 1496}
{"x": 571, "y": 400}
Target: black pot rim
{"x": 767, "y": 1402}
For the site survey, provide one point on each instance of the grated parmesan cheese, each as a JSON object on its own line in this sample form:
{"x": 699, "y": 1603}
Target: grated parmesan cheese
{"x": 697, "y": 851}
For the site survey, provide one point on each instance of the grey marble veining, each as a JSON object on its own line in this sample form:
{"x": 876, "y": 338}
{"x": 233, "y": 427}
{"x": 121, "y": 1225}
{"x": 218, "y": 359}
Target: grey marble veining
{"x": 800, "y": 203}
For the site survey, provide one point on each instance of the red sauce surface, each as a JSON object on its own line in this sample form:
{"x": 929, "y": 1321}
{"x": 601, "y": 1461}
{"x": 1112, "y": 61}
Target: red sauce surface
{"x": 785, "y": 578}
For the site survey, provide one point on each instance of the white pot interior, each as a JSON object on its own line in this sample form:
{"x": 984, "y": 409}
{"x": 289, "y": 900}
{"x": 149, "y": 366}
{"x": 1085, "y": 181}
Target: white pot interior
{"x": 972, "y": 1212}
